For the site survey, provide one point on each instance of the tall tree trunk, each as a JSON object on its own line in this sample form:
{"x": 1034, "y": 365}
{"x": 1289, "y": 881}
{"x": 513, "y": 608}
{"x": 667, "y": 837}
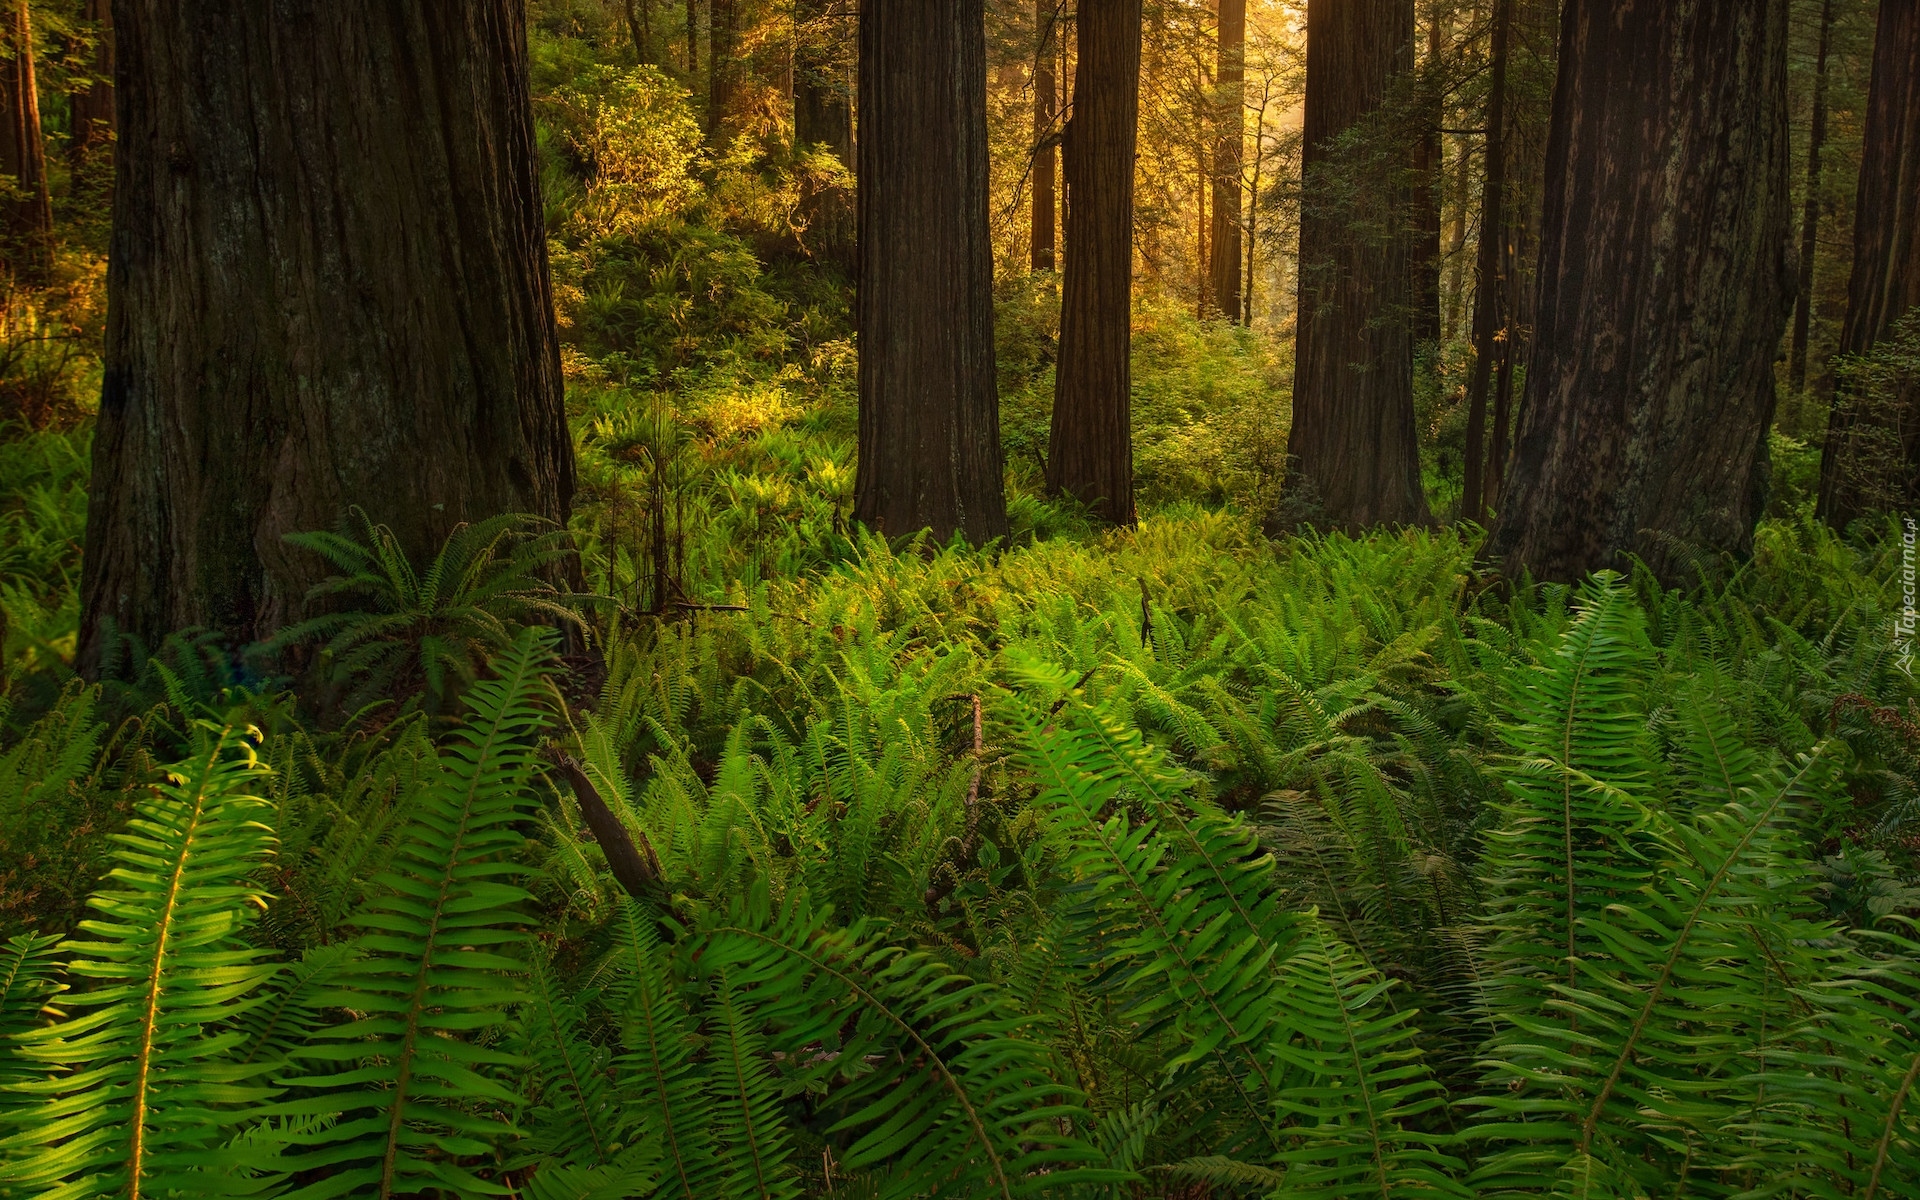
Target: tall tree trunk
{"x": 1427, "y": 183}
{"x": 26, "y": 216}
{"x": 822, "y": 104}
{"x": 92, "y": 105}
{"x": 1457, "y": 243}
{"x": 693, "y": 41}
{"x": 823, "y": 116}
{"x": 1810, "y": 209}
{"x": 1046, "y": 99}
{"x": 1229, "y": 139}
{"x": 723, "y": 68}
{"x": 292, "y": 180}
{"x": 1665, "y": 282}
{"x": 1090, "y": 449}
{"x": 638, "y": 18}
{"x": 1354, "y": 450}
{"x": 1503, "y": 381}
{"x": 1885, "y": 282}
{"x": 1489, "y": 284}
{"x": 929, "y": 407}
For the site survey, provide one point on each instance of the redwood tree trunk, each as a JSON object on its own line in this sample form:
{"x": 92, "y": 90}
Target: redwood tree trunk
{"x": 1046, "y": 98}
{"x": 929, "y": 408}
{"x": 26, "y": 217}
{"x": 1810, "y": 209}
{"x": 1489, "y": 282}
{"x": 1665, "y": 281}
{"x": 1428, "y": 181}
{"x": 92, "y": 105}
{"x": 1354, "y": 450}
{"x": 1886, "y": 275}
{"x": 1223, "y": 268}
{"x": 327, "y": 287}
{"x": 1090, "y": 450}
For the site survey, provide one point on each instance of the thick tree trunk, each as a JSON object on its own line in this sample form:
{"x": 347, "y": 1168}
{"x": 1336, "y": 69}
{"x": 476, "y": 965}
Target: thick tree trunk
{"x": 1427, "y": 183}
{"x": 1489, "y": 287}
{"x": 1223, "y": 268}
{"x": 1854, "y": 473}
{"x": 1665, "y": 282}
{"x": 1810, "y": 208}
{"x": 1354, "y": 450}
{"x": 723, "y": 68}
{"x": 929, "y": 407}
{"x": 327, "y": 287}
{"x": 1046, "y": 98}
{"x": 26, "y": 215}
{"x": 1090, "y": 450}
{"x": 92, "y": 105}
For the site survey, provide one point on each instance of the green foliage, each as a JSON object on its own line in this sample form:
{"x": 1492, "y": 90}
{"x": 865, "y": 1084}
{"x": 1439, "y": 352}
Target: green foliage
{"x": 405, "y": 1092}
{"x": 131, "y": 1088}
{"x": 433, "y": 628}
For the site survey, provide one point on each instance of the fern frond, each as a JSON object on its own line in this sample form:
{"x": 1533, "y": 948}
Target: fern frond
{"x": 136, "y": 1084}
{"x": 930, "y": 1073}
{"x": 412, "y": 1091}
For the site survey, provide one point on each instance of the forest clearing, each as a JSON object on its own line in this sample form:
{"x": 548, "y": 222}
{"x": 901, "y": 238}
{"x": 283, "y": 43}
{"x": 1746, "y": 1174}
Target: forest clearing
{"x": 760, "y": 599}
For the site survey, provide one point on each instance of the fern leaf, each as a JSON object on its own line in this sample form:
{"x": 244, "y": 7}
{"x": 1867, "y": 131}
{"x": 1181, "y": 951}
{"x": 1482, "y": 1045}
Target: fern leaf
{"x": 411, "y": 1091}
{"x": 136, "y": 1084}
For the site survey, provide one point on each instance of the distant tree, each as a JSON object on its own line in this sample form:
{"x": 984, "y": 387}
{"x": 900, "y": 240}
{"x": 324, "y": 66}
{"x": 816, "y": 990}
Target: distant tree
{"x": 1354, "y": 449}
{"x": 1884, "y": 286}
{"x": 1429, "y": 182}
{"x": 1810, "y": 208}
{"x": 929, "y": 406}
{"x": 723, "y": 68}
{"x": 26, "y": 210}
{"x": 92, "y": 103}
{"x": 1090, "y": 447}
{"x": 1489, "y": 281}
{"x": 328, "y": 289}
{"x": 1665, "y": 282}
{"x": 1046, "y": 100}
{"x": 1223, "y": 246}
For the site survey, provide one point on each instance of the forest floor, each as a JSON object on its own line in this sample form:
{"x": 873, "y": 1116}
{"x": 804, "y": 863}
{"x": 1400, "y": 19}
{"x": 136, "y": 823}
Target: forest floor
{"x": 951, "y": 759}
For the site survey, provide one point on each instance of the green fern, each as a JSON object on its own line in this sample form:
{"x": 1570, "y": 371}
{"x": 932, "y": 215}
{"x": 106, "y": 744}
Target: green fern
{"x": 926, "y": 1067}
{"x": 413, "y": 1094}
{"x": 134, "y": 1087}
{"x": 434, "y": 628}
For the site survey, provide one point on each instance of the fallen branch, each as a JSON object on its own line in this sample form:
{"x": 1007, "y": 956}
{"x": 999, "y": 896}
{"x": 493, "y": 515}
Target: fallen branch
{"x": 635, "y": 868}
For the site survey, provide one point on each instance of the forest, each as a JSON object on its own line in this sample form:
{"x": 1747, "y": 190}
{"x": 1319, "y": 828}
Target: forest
{"x": 1136, "y": 599}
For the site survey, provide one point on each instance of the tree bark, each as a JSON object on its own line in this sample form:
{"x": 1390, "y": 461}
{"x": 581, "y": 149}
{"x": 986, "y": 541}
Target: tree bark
{"x": 1489, "y": 283}
{"x": 1223, "y": 268}
{"x": 92, "y": 105}
{"x": 1810, "y": 209}
{"x": 1090, "y": 450}
{"x": 26, "y": 214}
{"x": 1355, "y": 454}
{"x": 929, "y": 407}
{"x": 1665, "y": 282}
{"x": 1046, "y": 98}
{"x": 327, "y": 287}
{"x": 1886, "y": 278}
{"x": 1427, "y": 183}
{"x": 638, "y": 19}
